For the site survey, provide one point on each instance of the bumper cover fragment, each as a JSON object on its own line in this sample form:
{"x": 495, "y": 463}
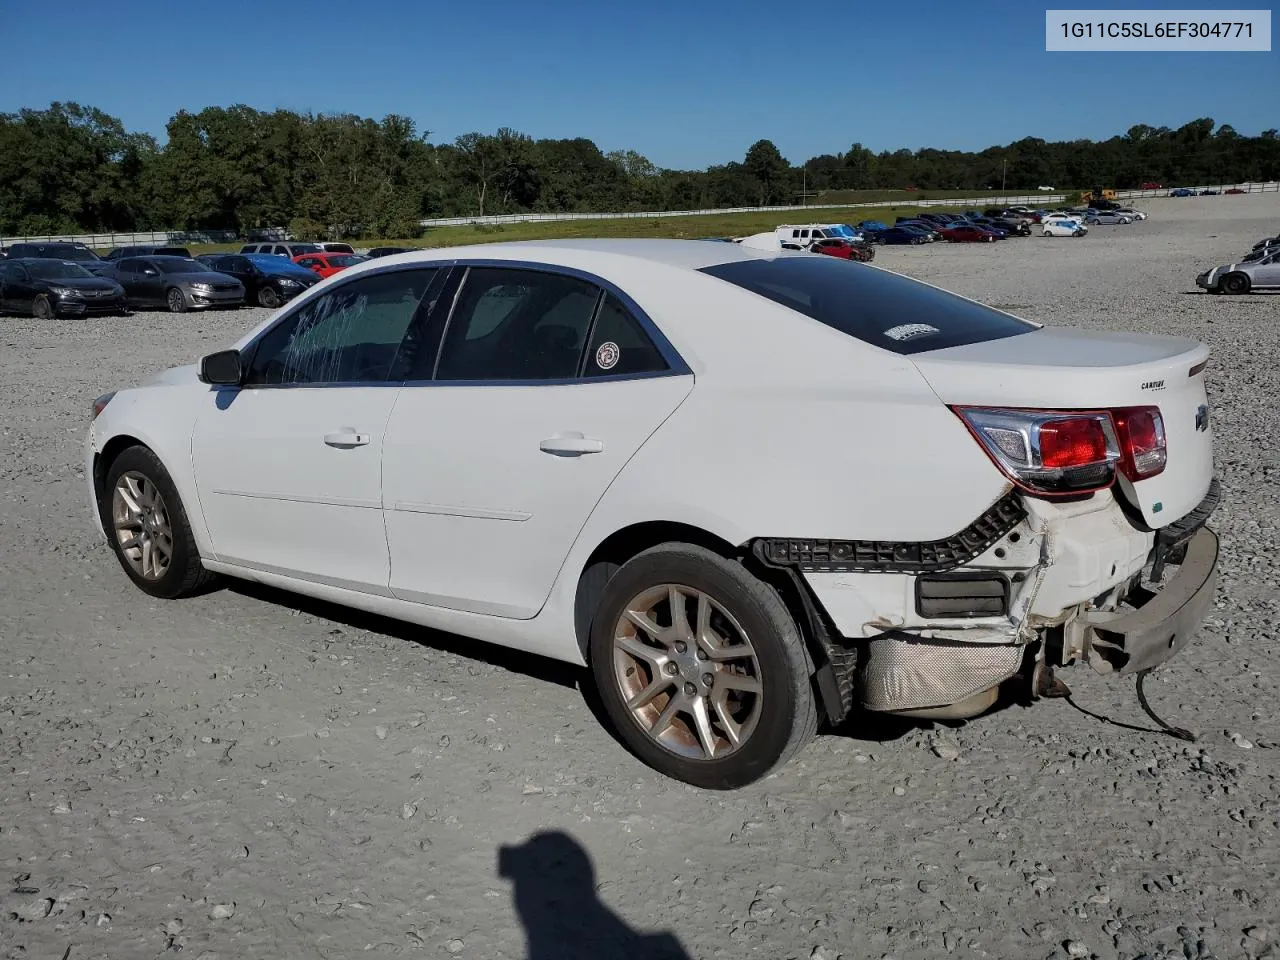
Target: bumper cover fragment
{"x": 1164, "y": 622}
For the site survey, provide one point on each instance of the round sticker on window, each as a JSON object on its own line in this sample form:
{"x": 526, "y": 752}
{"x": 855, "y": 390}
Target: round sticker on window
{"x": 607, "y": 355}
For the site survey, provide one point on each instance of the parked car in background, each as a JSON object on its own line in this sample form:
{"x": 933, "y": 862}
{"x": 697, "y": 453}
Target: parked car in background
{"x": 1013, "y": 228}
{"x": 1263, "y": 274}
{"x": 1106, "y": 216}
{"x": 281, "y": 249}
{"x": 268, "y": 280}
{"x": 327, "y": 264}
{"x": 59, "y": 250}
{"x": 926, "y": 229}
{"x": 1234, "y": 190}
{"x": 901, "y": 235}
{"x": 986, "y": 223}
{"x": 177, "y": 283}
{"x": 1130, "y": 212}
{"x": 147, "y": 251}
{"x": 47, "y": 288}
{"x": 1153, "y": 186}
{"x": 1208, "y": 193}
{"x": 334, "y": 247}
{"x": 1063, "y": 228}
{"x": 1182, "y": 192}
{"x": 967, "y": 233}
{"x": 392, "y": 251}
{"x": 842, "y": 248}
{"x": 1036, "y": 480}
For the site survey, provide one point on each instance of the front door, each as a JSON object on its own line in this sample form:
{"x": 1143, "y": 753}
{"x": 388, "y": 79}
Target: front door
{"x": 491, "y": 470}
{"x": 288, "y": 466}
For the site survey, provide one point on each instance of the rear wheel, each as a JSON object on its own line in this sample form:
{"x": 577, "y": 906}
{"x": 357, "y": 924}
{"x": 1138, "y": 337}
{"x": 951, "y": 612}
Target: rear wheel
{"x": 148, "y": 526}
{"x": 1234, "y": 283}
{"x": 267, "y": 297}
{"x": 176, "y": 300}
{"x": 701, "y": 668}
{"x": 42, "y": 308}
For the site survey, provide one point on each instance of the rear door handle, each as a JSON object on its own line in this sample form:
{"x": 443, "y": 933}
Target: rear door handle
{"x": 571, "y": 444}
{"x": 346, "y": 438}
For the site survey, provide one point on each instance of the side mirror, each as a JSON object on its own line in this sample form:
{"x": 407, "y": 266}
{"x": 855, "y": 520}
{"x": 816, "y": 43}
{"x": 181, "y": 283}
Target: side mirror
{"x": 222, "y": 368}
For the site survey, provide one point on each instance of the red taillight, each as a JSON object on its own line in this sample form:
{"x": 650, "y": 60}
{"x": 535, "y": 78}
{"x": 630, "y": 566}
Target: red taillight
{"x": 101, "y": 403}
{"x": 1072, "y": 442}
{"x": 1140, "y": 431}
{"x": 1061, "y": 452}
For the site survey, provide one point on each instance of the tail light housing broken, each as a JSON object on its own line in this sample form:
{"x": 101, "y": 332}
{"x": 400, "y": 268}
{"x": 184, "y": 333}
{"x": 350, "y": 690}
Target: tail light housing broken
{"x": 1065, "y": 452}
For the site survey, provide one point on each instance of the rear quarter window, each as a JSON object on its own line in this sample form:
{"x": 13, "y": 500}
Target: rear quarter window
{"x": 875, "y": 306}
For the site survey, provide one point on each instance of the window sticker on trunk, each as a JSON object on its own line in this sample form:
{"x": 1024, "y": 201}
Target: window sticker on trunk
{"x": 909, "y": 331}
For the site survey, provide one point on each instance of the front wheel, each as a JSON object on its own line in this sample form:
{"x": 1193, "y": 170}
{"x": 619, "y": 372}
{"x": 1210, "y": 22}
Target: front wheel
{"x": 1234, "y": 283}
{"x": 267, "y": 297}
{"x": 148, "y": 526}
{"x": 701, "y": 668}
{"x": 42, "y": 308}
{"x": 176, "y": 300}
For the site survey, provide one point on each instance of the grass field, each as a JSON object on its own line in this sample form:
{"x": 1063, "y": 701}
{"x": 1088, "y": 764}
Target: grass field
{"x": 680, "y": 228}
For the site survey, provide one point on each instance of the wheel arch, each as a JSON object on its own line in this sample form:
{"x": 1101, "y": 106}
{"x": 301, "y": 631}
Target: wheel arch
{"x": 102, "y": 462}
{"x": 630, "y": 541}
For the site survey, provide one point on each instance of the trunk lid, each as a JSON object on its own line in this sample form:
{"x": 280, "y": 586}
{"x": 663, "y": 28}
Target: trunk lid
{"x": 1061, "y": 368}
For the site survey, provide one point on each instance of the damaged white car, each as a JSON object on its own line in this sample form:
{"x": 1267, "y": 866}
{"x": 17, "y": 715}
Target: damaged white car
{"x": 753, "y": 491}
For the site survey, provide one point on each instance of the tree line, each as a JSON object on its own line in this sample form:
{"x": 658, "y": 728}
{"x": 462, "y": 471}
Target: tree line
{"x": 73, "y": 168}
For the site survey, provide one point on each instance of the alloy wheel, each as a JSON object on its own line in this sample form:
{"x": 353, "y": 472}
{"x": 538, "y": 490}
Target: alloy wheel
{"x": 141, "y": 522}
{"x": 687, "y": 672}
{"x": 177, "y": 302}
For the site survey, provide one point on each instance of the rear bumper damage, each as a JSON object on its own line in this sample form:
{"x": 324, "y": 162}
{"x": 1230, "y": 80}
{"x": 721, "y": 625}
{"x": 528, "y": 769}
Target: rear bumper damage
{"x": 935, "y": 630}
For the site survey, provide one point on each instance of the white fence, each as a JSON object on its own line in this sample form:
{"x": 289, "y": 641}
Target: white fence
{"x": 1037, "y": 198}
{"x": 104, "y": 240}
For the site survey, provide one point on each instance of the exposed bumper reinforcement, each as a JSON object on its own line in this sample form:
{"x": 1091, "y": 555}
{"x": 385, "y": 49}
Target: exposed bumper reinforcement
{"x": 1165, "y": 621}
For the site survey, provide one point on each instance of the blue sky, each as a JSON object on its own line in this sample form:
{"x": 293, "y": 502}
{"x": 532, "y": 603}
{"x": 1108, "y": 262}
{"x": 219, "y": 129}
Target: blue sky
{"x": 686, "y": 83}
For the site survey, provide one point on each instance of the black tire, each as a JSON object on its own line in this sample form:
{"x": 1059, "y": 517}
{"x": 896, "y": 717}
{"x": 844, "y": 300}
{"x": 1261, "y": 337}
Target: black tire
{"x": 42, "y": 308}
{"x": 788, "y": 713}
{"x": 267, "y": 297}
{"x": 185, "y": 573}
{"x": 1234, "y": 283}
{"x": 176, "y": 300}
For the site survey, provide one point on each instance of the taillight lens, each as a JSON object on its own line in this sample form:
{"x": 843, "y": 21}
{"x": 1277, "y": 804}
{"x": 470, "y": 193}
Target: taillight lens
{"x": 1070, "y": 451}
{"x": 1140, "y": 431}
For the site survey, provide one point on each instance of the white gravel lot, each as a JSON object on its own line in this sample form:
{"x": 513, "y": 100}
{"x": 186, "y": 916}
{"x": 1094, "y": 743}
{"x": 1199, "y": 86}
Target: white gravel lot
{"x": 247, "y": 774}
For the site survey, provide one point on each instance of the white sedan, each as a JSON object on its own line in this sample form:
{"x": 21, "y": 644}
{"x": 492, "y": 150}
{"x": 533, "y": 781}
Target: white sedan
{"x": 1063, "y": 227}
{"x": 752, "y": 490}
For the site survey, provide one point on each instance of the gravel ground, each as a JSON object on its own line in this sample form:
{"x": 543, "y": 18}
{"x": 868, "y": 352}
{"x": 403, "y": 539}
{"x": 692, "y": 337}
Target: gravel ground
{"x": 247, "y": 774}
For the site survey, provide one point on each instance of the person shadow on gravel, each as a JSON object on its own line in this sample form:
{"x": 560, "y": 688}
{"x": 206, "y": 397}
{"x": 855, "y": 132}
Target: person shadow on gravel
{"x": 555, "y": 896}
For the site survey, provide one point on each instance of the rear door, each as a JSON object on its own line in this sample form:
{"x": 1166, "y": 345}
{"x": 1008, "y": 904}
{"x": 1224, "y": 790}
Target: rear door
{"x": 544, "y": 387}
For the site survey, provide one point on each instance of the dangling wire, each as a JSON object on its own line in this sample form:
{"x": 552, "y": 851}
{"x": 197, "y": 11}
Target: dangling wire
{"x": 1179, "y": 732}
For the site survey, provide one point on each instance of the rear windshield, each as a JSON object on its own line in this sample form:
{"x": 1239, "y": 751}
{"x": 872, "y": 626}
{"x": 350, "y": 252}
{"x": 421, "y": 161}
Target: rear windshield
{"x": 875, "y": 306}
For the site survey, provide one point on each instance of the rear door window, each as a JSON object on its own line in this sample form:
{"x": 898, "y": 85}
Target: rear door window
{"x": 619, "y": 345}
{"x": 878, "y": 307}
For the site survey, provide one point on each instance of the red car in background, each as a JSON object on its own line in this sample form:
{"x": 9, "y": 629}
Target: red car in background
{"x": 1233, "y": 190}
{"x": 327, "y": 264}
{"x": 1153, "y": 186}
{"x": 967, "y": 233}
{"x": 838, "y": 247}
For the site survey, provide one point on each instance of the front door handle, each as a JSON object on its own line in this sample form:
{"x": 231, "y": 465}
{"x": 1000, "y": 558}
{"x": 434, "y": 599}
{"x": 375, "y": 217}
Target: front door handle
{"x": 346, "y": 438}
{"x": 571, "y": 444}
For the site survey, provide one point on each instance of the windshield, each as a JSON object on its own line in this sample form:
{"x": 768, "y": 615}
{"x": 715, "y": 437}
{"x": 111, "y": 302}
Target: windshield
{"x": 842, "y": 230}
{"x": 298, "y": 249}
{"x": 183, "y": 266}
{"x": 273, "y": 264}
{"x": 58, "y": 270}
{"x": 878, "y": 307}
{"x": 346, "y": 261}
